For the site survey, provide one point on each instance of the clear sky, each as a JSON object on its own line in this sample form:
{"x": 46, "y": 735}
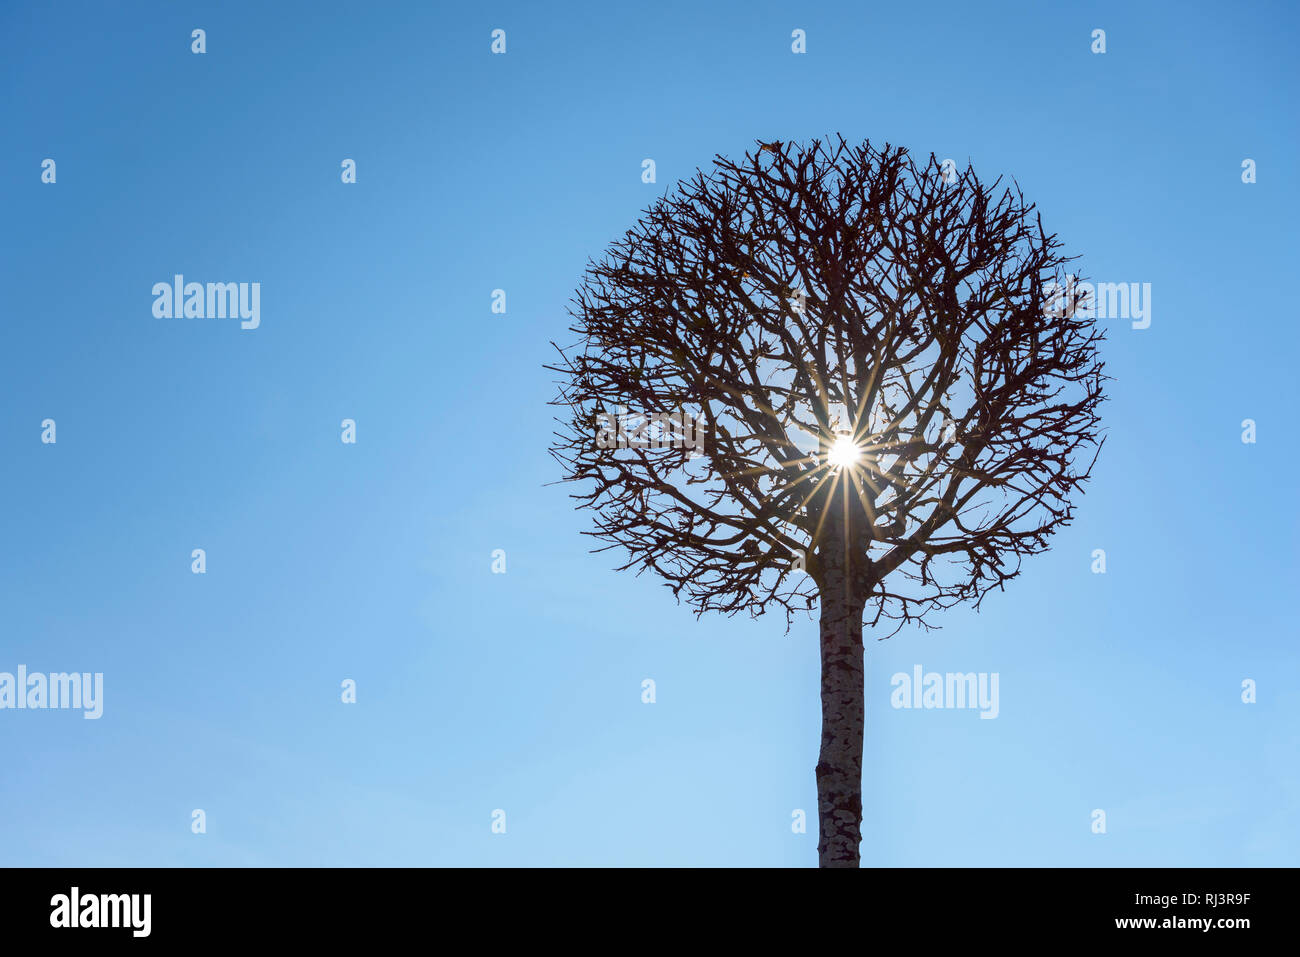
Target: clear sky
{"x": 373, "y": 561}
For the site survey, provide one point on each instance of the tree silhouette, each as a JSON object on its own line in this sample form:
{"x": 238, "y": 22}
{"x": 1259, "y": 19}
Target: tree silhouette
{"x": 829, "y": 374}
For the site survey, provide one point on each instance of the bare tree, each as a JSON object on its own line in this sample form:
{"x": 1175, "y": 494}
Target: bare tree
{"x": 827, "y": 373}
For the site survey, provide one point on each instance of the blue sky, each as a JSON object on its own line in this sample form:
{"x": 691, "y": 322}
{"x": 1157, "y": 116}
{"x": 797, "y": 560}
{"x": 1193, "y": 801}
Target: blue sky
{"x": 479, "y": 691}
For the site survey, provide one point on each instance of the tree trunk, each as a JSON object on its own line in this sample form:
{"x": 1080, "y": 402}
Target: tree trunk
{"x": 839, "y": 765}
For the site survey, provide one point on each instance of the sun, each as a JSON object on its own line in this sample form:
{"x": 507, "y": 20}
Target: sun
{"x": 844, "y": 452}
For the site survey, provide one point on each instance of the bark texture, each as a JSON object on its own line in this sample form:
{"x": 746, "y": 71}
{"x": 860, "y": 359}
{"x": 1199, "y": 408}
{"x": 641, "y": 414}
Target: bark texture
{"x": 839, "y": 763}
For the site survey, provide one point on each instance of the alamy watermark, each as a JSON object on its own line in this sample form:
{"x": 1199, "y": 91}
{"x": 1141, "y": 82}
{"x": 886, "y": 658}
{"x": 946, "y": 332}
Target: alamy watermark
{"x": 929, "y": 690}
{"x": 179, "y": 299}
{"x": 59, "y": 690}
{"x": 75, "y": 909}
{"x": 655, "y": 430}
{"x": 1102, "y": 300}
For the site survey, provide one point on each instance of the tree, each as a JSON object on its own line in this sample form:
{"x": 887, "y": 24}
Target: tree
{"x": 827, "y": 374}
